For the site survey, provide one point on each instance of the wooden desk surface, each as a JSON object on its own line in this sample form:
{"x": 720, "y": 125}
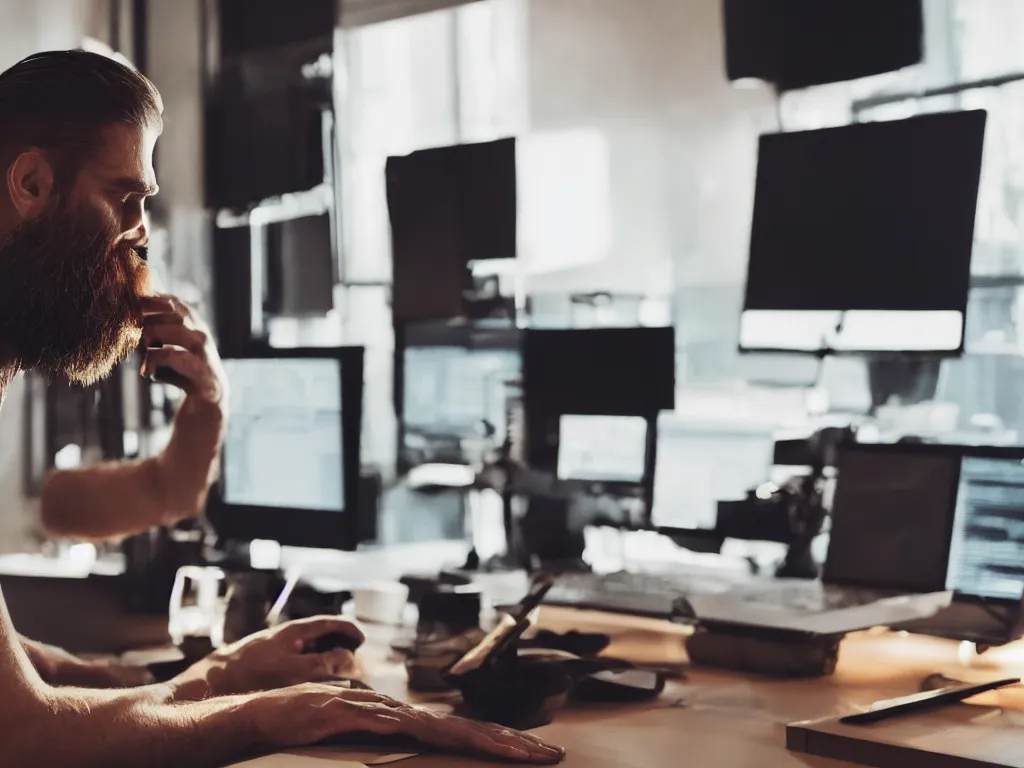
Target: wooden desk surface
{"x": 720, "y": 719}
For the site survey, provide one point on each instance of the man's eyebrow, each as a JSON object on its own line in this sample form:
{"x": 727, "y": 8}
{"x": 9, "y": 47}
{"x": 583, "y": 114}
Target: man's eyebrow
{"x": 135, "y": 186}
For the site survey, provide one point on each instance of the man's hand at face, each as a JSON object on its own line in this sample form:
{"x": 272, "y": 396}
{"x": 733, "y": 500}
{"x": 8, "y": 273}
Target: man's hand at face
{"x": 176, "y": 339}
{"x": 275, "y": 658}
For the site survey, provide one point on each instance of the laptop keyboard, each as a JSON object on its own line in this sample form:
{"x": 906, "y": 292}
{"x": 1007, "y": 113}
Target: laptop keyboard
{"x": 814, "y": 599}
{"x": 631, "y": 593}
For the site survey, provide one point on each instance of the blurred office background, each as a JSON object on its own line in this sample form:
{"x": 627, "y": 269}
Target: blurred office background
{"x": 629, "y": 100}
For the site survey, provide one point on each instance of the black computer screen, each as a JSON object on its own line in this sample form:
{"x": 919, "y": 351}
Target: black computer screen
{"x": 798, "y": 43}
{"x": 300, "y": 267}
{"x": 866, "y": 218}
{"x": 601, "y": 371}
{"x": 448, "y": 206}
{"x": 596, "y": 371}
{"x": 987, "y": 555}
{"x": 892, "y": 518}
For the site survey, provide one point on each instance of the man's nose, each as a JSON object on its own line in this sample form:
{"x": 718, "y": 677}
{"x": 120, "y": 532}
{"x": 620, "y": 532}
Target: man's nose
{"x": 138, "y": 235}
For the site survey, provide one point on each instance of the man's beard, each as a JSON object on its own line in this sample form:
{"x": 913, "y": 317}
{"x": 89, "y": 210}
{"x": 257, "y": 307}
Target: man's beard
{"x": 70, "y": 300}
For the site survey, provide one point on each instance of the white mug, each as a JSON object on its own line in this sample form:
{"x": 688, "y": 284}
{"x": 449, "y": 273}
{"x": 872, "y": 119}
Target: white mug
{"x": 381, "y": 602}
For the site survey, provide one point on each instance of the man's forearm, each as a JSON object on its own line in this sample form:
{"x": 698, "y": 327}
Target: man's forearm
{"x": 188, "y": 465}
{"x": 108, "y": 729}
{"x": 118, "y": 499}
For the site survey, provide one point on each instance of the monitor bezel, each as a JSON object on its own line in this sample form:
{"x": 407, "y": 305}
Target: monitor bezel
{"x": 315, "y": 529}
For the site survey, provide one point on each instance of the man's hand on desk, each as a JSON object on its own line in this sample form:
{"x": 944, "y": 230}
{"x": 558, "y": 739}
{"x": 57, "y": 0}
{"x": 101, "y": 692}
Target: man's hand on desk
{"x": 176, "y": 338}
{"x": 275, "y": 658}
{"x": 309, "y": 714}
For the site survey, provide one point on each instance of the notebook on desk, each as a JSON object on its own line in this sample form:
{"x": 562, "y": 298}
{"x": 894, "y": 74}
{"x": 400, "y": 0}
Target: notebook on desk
{"x": 908, "y": 531}
{"x": 963, "y": 736}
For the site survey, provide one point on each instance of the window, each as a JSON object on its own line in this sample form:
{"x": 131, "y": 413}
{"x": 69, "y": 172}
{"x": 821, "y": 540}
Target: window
{"x": 969, "y": 42}
{"x": 436, "y": 79}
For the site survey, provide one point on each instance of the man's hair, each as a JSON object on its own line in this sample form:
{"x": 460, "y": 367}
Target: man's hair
{"x": 59, "y": 101}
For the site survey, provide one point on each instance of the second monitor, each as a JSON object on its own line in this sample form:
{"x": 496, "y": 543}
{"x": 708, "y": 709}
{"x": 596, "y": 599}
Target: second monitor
{"x": 290, "y": 464}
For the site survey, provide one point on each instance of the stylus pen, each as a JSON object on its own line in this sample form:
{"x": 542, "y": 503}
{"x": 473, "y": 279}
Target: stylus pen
{"x": 274, "y": 616}
{"x": 920, "y": 702}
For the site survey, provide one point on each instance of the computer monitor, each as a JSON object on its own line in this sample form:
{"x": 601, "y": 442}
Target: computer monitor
{"x": 450, "y": 379}
{"x": 300, "y": 267}
{"x": 987, "y": 555}
{"x": 448, "y": 206}
{"x": 290, "y": 465}
{"x": 862, "y": 236}
{"x": 892, "y": 517}
{"x": 592, "y": 371}
{"x": 698, "y": 465}
{"x": 602, "y": 449}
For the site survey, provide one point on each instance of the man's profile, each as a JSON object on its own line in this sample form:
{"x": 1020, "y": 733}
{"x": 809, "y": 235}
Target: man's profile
{"x": 77, "y": 135}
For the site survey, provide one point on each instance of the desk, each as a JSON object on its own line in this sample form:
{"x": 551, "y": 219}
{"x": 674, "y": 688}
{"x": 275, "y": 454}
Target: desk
{"x": 728, "y": 720}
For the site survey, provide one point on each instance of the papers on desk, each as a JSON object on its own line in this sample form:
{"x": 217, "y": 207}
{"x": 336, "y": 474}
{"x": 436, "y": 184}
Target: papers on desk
{"x": 295, "y": 761}
{"x": 963, "y": 735}
{"x": 322, "y": 758}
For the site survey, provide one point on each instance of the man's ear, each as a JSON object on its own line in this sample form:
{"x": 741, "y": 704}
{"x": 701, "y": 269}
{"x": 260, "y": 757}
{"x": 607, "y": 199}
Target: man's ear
{"x": 30, "y": 183}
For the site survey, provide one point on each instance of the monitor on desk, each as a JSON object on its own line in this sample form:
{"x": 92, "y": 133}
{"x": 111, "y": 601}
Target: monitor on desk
{"x": 448, "y": 206}
{"x": 451, "y": 383}
{"x": 987, "y": 555}
{"x": 290, "y": 464}
{"x": 697, "y": 466}
{"x": 862, "y": 236}
{"x": 592, "y": 371}
{"x": 892, "y": 517}
{"x": 930, "y": 517}
{"x": 602, "y": 449}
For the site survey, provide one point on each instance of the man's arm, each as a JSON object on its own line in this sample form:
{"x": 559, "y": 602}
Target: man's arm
{"x": 48, "y": 727}
{"x": 117, "y": 499}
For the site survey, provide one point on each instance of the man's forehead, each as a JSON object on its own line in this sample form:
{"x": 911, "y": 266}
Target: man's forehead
{"x": 126, "y": 152}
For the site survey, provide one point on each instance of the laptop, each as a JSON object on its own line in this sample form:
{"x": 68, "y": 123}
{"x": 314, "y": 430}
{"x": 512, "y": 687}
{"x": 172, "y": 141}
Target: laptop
{"x": 893, "y": 516}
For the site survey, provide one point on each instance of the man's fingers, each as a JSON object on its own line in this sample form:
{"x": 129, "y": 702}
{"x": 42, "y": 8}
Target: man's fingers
{"x": 489, "y": 739}
{"x": 178, "y": 335}
{"x": 162, "y": 318}
{"x": 340, "y": 662}
{"x": 331, "y": 664}
{"x": 318, "y": 626}
{"x": 178, "y": 360}
{"x": 157, "y": 303}
{"x": 446, "y": 732}
{"x": 165, "y": 303}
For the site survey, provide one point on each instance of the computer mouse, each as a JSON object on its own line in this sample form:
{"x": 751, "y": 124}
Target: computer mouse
{"x": 619, "y": 685}
{"x": 332, "y": 641}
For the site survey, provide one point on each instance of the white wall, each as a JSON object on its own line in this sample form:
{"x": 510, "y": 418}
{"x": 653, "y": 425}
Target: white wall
{"x": 28, "y": 27}
{"x": 682, "y": 139}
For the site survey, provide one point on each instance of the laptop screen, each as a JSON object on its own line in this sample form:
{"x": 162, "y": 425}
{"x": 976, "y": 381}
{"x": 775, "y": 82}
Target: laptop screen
{"x": 987, "y": 554}
{"x": 892, "y": 517}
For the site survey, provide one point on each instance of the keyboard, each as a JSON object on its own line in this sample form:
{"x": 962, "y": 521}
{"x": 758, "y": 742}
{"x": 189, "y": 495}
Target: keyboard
{"x": 638, "y": 594}
{"x": 814, "y": 598}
